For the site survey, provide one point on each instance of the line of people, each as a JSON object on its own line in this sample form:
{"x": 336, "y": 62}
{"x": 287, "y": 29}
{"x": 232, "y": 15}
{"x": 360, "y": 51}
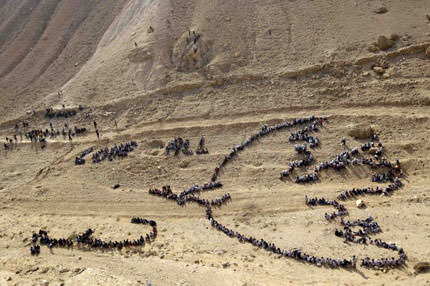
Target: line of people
{"x": 85, "y": 239}
{"x": 190, "y": 194}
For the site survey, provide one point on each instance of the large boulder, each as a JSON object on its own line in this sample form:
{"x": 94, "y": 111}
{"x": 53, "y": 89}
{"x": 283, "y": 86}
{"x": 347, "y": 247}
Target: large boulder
{"x": 384, "y": 43}
{"x": 422, "y": 267}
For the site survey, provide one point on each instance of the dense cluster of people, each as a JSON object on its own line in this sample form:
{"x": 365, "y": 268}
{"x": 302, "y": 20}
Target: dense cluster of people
{"x": 177, "y": 144}
{"x": 383, "y": 177}
{"x": 85, "y": 239}
{"x": 80, "y": 160}
{"x": 65, "y": 113}
{"x": 115, "y": 152}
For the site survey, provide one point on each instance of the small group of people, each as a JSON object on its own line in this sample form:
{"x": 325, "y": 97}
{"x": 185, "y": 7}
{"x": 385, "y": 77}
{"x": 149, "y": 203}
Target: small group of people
{"x": 116, "y": 152}
{"x": 85, "y": 239}
{"x": 178, "y": 144}
{"x": 303, "y": 135}
{"x": 341, "y": 210}
{"x": 193, "y": 37}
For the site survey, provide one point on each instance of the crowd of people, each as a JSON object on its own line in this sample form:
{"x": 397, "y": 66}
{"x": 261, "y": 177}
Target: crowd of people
{"x": 348, "y": 231}
{"x": 341, "y": 161}
{"x": 85, "y": 239}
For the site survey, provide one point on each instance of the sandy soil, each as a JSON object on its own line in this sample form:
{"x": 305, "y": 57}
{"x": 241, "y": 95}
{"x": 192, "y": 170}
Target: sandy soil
{"x": 316, "y": 61}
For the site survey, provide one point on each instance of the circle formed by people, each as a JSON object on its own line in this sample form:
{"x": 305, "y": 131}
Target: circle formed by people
{"x": 359, "y": 231}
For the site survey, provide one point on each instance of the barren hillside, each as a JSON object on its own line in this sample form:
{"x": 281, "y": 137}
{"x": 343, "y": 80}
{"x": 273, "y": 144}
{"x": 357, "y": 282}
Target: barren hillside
{"x": 149, "y": 71}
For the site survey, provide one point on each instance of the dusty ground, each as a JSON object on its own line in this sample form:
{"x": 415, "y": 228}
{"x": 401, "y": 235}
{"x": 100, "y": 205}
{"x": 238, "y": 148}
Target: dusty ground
{"x": 315, "y": 62}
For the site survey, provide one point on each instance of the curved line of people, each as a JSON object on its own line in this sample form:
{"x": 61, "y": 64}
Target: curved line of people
{"x": 265, "y": 130}
{"x": 350, "y": 194}
{"x": 85, "y": 239}
{"x": 288, "y": 253}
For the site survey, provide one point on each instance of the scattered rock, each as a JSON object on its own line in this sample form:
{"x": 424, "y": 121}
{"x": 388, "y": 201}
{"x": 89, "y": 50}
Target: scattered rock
{"x": 422, "y": 267}
{"x": 45, "y": 282}
{"x": 63, "y": 270}
{"x": 225, "y": 265}
{"x": 116, "y": 186}
{"x": 378, "y": 70}
{"x": 384, "y": 65}
{"x": 428, "y": 52}
{"x": 384, "y": 43}
{"x": 360, "y": 204}
{"x": 373, "y": 48}
{"x": 184, "y": 164}
{"x": 381, "y": 10}
{"x": 415, "y": 199}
